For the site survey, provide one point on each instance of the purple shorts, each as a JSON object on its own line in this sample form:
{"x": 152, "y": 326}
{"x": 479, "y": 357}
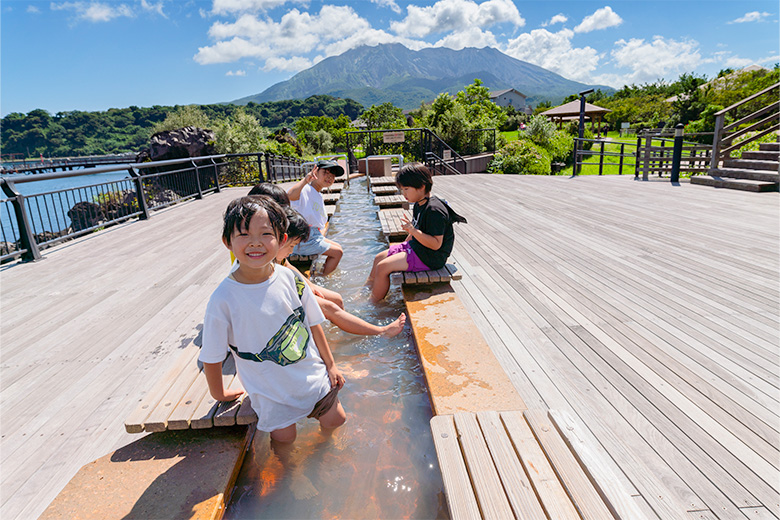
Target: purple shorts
{"x": 412, "y": 260}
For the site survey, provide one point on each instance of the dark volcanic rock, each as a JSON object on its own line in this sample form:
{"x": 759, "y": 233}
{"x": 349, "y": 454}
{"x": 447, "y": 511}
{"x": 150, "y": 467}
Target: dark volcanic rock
{"x": 84, "y": 215}
{"x": 185, "y": 142}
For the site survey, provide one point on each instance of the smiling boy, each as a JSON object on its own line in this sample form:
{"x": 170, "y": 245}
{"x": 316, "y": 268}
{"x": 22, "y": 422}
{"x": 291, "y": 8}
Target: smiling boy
{"x": 270, "y": 320}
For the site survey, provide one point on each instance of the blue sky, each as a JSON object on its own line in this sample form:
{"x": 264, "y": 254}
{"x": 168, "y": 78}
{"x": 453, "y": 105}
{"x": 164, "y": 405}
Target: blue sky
{"x": 100, "y": 54}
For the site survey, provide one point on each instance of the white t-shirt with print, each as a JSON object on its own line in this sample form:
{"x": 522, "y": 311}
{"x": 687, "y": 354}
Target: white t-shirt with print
{"x": 289, "y": 376}
{"x": 311, "y": 206}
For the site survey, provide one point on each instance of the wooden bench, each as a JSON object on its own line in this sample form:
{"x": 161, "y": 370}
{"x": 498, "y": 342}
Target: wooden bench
{"x": 336, "y": 187}
{"x": 524, "y": 464}
{"x": 390, "y": 201}
{"x": 331, "y": 198}
{"x": 443, "y": 275}
{"x": 379, "y": 181}
{"x": 181, "y": 400}
{"x": 384, "y": 190}
{"x": 390, "y": 220}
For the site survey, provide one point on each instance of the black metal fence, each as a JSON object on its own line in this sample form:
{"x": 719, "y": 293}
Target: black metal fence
{"x": 31, "y": 222}
{"x": 420, "y": 144}
{"x": 652, "y": 153}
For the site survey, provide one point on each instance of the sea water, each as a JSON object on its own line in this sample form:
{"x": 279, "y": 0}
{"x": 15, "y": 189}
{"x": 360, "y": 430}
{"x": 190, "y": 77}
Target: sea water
{"x": 382, "y": 462}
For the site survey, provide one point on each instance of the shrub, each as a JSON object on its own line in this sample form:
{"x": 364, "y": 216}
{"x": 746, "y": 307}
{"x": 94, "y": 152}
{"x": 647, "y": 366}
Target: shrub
{"x": 540, "y": 130}
{"x": 522, "y": 157}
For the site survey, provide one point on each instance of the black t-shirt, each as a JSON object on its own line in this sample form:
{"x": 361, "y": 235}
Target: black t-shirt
{"x": 433, "y": 218}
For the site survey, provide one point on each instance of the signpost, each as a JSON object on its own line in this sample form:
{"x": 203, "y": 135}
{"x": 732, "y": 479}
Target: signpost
{"x": 393, "y": 137}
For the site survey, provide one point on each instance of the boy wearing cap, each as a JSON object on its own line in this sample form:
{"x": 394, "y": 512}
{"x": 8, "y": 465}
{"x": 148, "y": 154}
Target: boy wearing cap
{"x": 306, "y": 198}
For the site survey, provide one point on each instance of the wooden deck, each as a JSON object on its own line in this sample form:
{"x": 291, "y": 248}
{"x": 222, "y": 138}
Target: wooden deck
{"x": 647, "y": 312}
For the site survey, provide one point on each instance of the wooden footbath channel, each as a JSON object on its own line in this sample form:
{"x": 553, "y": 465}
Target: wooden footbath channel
{"x": 501, "y": 454}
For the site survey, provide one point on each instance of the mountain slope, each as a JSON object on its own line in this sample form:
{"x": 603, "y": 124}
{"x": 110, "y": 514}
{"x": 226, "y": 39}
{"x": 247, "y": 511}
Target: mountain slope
{"x": 391, "y": 72}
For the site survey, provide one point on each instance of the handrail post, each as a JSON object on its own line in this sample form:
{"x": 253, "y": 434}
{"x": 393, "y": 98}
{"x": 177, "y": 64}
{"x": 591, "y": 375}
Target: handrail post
{"x": 601, "y": 159}
{"x": 576, "y": 169}
{"x": 260, "y": 175}
{"x": 216, "y": 175}
{"x": 197, "y": 180}
{"x": 26, "y": 235}
{"x": 268, "y": 170}
{"x": 622, "y": 150}
{"x": 139, "y": 193}
{"x": 648, "y": 144}
{"x": 677, "y": 152}
{"x": 716, "y": 138}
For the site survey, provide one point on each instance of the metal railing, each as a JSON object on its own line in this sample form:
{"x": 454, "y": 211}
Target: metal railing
{"x": 32, "y": 222}
{"x": 414, "y": 144}
{"x": 723, "y": 141}
{"x": 24, "y": 165}
{"x": 580, "y": 153}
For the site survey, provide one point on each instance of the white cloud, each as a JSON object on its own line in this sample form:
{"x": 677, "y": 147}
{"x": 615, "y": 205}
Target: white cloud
{"x": 601, "y": 19}
{"x": 456, "y": 15}
{"x": 659, "y": 59}
{"x": 236, "y": 73}
{"x": 156, "y": 8}
{"x": 753, "y": 16}
{"x": 388, "y": 3}
{"x": 282, "y": 45}
{"x": 238, "y": 6}
{"x": 94, "y": 11}
{"x": 293, "y": 64}
{"x": 553, "y": 51}
{"x": 558, "y": 18}
{"x": 471, "y": 37}
{"x": 33, "y": 9}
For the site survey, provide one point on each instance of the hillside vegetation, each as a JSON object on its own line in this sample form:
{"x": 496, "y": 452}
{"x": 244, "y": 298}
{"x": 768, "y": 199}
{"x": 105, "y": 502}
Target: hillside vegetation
{"x": 120, "y": 130}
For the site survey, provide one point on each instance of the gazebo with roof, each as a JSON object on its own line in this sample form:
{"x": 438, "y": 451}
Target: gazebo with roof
{"x": 571, "y": 111}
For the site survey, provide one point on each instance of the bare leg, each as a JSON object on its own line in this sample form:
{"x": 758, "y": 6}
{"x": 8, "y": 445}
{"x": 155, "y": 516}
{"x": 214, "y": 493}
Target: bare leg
{"x": 384, "y": 268}
{"x": 378, "y": 258}
{"x": 348, "y": 322}
{"x": 284, "y": 435}
{"x": 334, "y": 417}
{"x": 331, "y": 296}
{"x": 332, "y": 257}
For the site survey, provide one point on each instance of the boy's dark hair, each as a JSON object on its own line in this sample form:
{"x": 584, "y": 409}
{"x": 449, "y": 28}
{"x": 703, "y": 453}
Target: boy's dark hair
{"x": 240, "y": 211}
{"x": 271, "y": 190}
{"x": 414, "y": 175}
{"x": 297, "y": 227}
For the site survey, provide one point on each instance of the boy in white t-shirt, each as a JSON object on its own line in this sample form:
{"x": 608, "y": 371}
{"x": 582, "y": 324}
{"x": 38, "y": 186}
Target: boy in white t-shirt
{"x": 270, "y": 320}
{"x": 306, "y": 199}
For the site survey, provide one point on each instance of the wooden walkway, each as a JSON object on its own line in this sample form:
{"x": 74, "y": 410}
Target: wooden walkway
{"x": 646, "y": 312}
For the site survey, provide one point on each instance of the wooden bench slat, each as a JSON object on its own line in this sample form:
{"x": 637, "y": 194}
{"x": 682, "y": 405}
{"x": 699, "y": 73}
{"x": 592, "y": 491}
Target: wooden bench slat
{"x": 548, "y": 488}
{"x": 158, "y": 419}
{"x": 246, "y": 414}
{"x": 135, "y": 421}
{"x": 460, "y": 495}
{"x": 614, "y": 494}
{"x": 181, "y": 415}
{"x": 455, "y": 274}
{"x": 226, "y": 414}
{"x": 518, "y": 488}
{"x": 585, "y": 497}
{"x": 203, "y": 416}
{"x": 484, "y": 477}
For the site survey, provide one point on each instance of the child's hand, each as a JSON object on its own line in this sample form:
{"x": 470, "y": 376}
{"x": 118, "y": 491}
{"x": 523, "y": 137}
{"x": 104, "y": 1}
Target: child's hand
{"x": 229, "y": 395}
{"x": 311, "y": 176}
{"x": 406, "y": 224}
{"x": 336, "y": 379}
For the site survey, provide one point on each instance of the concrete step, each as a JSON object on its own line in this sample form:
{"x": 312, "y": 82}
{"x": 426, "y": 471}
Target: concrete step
{"x": 746, "y": 173}
{"x": 750, "y": 164}
{"x": 734, "y": 184}
{"x": 769, "y": 147}
{"x": 761, "y": 155}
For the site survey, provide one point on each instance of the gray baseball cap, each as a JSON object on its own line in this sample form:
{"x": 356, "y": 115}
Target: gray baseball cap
{"x": 334, "y": 167}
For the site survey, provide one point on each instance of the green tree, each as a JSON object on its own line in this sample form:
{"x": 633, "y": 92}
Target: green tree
{"x": 181, "y": 117}
{"x": 384, "y": 116}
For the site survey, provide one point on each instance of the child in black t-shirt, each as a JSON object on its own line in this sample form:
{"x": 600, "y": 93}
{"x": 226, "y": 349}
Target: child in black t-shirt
{"x": 430, "y": 238}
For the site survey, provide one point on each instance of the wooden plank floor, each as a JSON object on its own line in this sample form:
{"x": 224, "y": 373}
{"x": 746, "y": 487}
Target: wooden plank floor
{"x": 89, "y": 329}
{"x": 649, "y": 312}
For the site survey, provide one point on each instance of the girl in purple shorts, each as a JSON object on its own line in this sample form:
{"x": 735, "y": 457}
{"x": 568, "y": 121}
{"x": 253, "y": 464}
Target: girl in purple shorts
{"x": 430, "y": 238}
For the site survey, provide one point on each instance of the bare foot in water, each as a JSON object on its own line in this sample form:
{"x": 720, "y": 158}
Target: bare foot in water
{"x": 394, "y": 328}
